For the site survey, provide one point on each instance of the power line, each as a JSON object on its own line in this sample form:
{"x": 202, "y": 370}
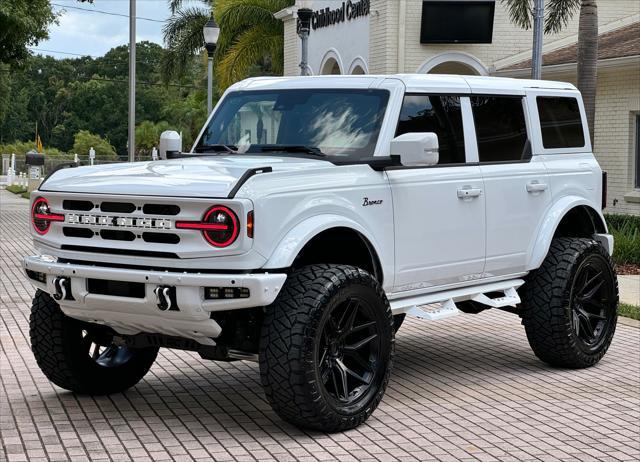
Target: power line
{"x": 105, "y": 12}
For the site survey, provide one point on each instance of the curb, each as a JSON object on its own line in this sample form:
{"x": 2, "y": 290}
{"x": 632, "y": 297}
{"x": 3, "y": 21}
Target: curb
{"x": 629, "y": 322}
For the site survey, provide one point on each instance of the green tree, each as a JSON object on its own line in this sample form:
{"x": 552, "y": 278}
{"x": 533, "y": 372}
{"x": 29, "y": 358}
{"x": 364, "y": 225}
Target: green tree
{"x": 85, "y": 140}
{"x": 148, "y": 135}
{"x": 23, "y": 23}
{"x": 250, "y": 36}
{"x": 558, "y": 13}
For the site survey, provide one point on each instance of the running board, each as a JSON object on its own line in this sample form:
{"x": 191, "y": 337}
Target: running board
{"x": 418, "y": 305}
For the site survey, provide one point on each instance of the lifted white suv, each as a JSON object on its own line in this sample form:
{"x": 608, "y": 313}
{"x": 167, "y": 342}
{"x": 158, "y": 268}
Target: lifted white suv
{"x": 314, "y": 213}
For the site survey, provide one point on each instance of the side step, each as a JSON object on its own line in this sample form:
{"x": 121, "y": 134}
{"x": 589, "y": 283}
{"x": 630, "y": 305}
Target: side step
{"x": 441, "y": 305}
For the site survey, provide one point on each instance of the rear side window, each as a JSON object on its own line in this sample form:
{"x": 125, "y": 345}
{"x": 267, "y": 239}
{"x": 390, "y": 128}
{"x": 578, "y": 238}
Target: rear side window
{"x": 500, "y": 128}
{"x": 560, "y": 122}
{"x": 439, "y": 114}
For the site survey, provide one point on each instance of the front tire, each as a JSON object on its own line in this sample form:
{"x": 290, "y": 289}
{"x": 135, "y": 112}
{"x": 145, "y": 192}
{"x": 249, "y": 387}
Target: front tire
{"x": 327, "y": 347}
{"x": 569, "y": 304}
{"x": 82, "y": 357}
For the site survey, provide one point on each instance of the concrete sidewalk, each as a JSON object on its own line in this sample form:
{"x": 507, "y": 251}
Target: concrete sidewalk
{"x": 464, "y": 388}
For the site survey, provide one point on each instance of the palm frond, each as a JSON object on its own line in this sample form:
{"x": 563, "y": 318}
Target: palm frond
{"x": 175, "y": 5}
{"x": 249, "y": 48}
{"x": 183, "y": 39}
{"x": 558, "y": 14}
{"x": 520, "y": 12}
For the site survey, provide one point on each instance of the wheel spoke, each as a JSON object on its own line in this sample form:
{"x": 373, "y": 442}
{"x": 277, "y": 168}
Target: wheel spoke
{"x": 586, "y": 326}
{"x": 343, "y": 381}
{"x": 356, "y": 356}
{"x": 360, "y": 344}
{"x": 366, "y": 325}
{"x": 588, "y": 281}
{"x": 348, "y": 316}
{"x": 324, "y": 372}
{"x": 590, "y": 294}
{"x": 324, "y": 355}
{"x": 576, "y": 323}
{"x": 335, "y": 382}
{"x": 353, "y": 374}
{"x": 590, "y": 315}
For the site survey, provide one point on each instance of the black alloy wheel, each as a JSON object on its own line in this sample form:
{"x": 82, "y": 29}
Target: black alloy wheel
{"x": 592, "y": 294}
{"x": 349, "y": 351}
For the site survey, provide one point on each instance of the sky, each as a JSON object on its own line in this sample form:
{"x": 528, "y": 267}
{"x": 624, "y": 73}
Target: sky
{"x": 82, "y": 30}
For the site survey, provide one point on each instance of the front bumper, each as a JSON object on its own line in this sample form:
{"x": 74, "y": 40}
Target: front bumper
{"x": 129, "y": 315}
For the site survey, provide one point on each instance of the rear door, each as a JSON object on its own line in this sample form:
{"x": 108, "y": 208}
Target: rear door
{"x": 439, "y": 211}
{"x": 516, "y": 184}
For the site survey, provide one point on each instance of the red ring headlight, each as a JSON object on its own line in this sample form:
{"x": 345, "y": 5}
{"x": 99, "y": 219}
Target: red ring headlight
{"x": 41, "y": 216}
{"x": 219, "y": 226}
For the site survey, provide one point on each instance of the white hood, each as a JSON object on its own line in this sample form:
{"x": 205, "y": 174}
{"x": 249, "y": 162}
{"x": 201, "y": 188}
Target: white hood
{"x": 211, "y": 176}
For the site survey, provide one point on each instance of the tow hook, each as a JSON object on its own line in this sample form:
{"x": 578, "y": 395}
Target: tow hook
{"x": 165, "y": 298}
{"x": 60, "y": 284}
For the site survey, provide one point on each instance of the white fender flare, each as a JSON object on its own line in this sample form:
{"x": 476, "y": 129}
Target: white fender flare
{"x": 294, "y": 241}
{"x": 548, "y": 227}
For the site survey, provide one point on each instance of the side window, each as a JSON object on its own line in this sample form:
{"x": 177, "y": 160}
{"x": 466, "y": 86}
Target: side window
{"x": 560, "y": 122}
{"x": 500, "y": 128}
{"x": 441, "y": 115}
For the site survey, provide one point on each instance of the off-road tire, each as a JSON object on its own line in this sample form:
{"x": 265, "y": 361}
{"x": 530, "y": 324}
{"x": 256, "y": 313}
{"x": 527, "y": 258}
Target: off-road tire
{"x": 290, "y": 365}
{"x": 56, "y": 341}
{"x": 547, "y": 304}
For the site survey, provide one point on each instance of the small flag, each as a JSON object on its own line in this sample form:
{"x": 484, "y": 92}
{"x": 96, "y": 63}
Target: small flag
{"x": 39, "y": 144}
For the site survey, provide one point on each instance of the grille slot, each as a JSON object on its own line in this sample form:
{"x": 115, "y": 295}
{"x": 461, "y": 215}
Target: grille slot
{"x": 77, "y": 205}
{"x": 160, "y": 209}
{"x": 117, "y": 235}
{"x": 85, "y": 233}
{"x": 161, "y": 238}
{"x": 117, "y": 207}
{"x": 116, "y": 288}
{"x": 132, "y": 253}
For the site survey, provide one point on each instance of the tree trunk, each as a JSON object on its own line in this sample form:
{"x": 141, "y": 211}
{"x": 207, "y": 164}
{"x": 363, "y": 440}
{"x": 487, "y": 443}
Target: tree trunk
{"x": 588, "y": 58}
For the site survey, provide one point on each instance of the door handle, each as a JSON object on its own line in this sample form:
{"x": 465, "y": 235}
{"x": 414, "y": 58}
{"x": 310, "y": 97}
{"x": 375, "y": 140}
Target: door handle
{"x": 536, "y": 187}
{"x": 469, "y": 193}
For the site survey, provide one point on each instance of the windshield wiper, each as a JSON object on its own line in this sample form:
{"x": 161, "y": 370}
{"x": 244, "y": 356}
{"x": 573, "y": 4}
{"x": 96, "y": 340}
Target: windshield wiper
{"x": 216, "y": 148}
{"x": 292, "y": 148}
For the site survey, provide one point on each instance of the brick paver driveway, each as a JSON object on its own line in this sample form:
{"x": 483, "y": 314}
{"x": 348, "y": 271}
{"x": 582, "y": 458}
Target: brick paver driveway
{"x": 465, "y": 388}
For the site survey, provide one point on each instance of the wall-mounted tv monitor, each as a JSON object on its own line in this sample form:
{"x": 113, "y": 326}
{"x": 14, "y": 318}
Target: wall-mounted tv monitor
{"x": 456, "y": 21}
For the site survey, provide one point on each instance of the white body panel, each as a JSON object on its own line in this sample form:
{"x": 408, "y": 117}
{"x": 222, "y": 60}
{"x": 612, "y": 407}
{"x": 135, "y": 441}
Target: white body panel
{"x": 431, "y": 229}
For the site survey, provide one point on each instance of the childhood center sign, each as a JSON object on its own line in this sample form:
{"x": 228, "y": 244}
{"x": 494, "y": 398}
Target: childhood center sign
{"x": 348, "y": 11}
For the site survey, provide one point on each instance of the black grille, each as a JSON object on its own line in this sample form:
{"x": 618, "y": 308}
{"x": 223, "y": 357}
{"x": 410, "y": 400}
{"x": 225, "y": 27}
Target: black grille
{"x": 133, "y": 253}
{"x": 117, "y": 235}
{"x": 161, "y": 238}
{"x": 77, "y": 205}
{"x": 77, "y": 232}
{"x": 116, "y": 288}
{"x": 160, "y": 209}
{"x": 117, "y": 207}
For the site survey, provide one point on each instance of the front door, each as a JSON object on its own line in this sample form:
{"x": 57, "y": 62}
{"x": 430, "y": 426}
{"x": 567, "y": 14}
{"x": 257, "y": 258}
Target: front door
{"x": 439, "y": 211}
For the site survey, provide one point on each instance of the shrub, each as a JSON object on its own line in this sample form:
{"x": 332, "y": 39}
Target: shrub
{"x": 626, "y": 234}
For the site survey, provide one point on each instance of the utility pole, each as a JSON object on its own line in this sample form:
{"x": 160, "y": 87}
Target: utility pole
{"x": 538, "y": 27}
{"x": 132, "y": 80}
{"x": 303, "y": 27}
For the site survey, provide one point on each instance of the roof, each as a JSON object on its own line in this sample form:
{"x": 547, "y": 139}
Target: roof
{"x": 618, "y": 43}
{"x": 412, "y": 82}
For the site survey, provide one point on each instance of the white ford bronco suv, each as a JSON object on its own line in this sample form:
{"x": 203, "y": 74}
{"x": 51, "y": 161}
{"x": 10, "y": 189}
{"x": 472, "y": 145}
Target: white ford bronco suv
{"x": 311, "y": 215}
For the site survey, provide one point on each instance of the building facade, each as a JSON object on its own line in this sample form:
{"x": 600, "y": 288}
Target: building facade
{"x": 476, "y": 37}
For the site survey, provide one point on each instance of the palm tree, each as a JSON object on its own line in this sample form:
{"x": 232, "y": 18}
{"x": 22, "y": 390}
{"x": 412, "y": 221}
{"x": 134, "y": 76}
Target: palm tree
{"x": 249, "y": 36}
{"x": 558, "y": 14}
{"x": 183, "y": 36}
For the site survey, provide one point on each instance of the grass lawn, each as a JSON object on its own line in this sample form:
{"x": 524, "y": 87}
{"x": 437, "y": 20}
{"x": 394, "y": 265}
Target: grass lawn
{"x": 629, "y": 311}
{"x": 15, "y": 189}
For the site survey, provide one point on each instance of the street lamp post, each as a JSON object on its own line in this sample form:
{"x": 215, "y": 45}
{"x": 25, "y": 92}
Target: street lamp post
{"x": 211, "y": 33}
{"x": 303, "y": 28}
{"x": 132, "y": 80}
{"x": 538, "y": 25}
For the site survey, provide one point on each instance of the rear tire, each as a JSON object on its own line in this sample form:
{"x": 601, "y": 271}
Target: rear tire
{"x": 327, "y": 347}
{"x": 81, "y": 357}
{"x": 569, "y": 304}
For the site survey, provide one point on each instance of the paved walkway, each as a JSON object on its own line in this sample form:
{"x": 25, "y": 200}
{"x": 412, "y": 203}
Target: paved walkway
{"x": 465, "y": 388}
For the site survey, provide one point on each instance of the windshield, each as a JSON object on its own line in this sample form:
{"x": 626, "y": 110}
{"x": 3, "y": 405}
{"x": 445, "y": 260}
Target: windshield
{"x": 343, "y": 123}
